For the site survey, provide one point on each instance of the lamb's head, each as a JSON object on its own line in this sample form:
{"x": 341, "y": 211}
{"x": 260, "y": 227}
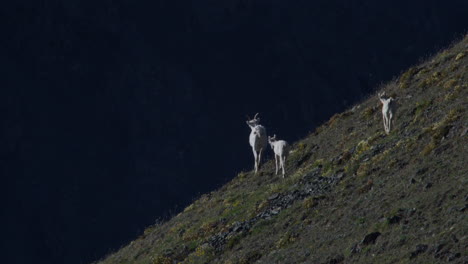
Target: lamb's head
{"x": 383, "y": 95}
{"x": 272, "y": 140}
{"x": 385, "y": 99}
{"x": 253, "y": 122}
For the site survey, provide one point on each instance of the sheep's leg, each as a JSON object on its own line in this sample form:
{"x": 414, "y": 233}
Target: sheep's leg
{"x": 276, "y": 164}
{"x": 255, "y": 159}
{"x": 260, "y": 157}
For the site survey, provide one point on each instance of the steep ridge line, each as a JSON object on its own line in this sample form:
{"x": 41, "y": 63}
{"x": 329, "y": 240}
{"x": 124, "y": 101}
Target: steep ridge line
{"x": 352, "y": 194}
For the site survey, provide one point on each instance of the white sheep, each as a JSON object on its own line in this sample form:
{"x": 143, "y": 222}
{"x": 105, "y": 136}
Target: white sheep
{"x": 281, "y": 149}
{"x": 257, "y": 139}
{"x": 388, "y": 110}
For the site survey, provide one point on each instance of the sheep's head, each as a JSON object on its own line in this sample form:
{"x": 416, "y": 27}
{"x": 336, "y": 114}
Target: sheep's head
{"x": 272, "y": 140}
{"x": 253, "y": 122}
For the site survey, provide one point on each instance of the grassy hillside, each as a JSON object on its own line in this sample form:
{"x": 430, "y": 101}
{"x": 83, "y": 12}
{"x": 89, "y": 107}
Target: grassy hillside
{"x": 352, "y": 194}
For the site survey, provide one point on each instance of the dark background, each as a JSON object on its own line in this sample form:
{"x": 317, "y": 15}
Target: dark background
{"x": 118, "y": 113}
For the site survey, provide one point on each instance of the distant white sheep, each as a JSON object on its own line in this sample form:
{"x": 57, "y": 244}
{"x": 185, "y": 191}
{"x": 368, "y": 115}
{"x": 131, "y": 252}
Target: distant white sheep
{"x": 281, "y": 149}
{"x": 257, "y": 139}
{"x": 388, "y": 110}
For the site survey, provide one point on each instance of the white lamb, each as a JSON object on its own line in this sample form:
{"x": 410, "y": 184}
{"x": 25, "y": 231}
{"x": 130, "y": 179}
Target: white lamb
{"x": 388, "y": 110}
{"x": 281, "y": 149}
{"x": 257, "y": 139}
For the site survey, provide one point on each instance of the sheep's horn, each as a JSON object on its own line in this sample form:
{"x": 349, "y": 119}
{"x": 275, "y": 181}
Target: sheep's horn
{"x": 255, "y": 117}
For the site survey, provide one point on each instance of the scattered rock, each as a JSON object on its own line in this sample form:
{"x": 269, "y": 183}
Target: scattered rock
{"x": 304, "y": 158}
{"x": 394, "y": 219}
{"x": 370, "y": 238}
{"x": 438, "y": 248}
{"x": 441, "y": 149}
{"x": 428, "y": 185}
{"x": 463, "y": 209}
{"x": 275, "y": 211}
{"x": 441, "y": 253}
{"x": 335, "y": 260}
{"x": 273, "y": 196}
{"x": 412, "y": 181}
{"x": 421, "y": 171}
{"x": 312, "y": 184}
{"x": 419, "y": 249}
{"x": 377, "y": 149}
{"x": 340, "y": 175}
{"x": 464, "y": 132}
{"x": 355, "y": 249}
{"x": 453, "y": 256}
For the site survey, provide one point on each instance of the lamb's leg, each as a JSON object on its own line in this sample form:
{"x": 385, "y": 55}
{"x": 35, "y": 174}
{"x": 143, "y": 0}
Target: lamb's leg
{"x": 390, "y": 118}
{"x": 384, "y": 122}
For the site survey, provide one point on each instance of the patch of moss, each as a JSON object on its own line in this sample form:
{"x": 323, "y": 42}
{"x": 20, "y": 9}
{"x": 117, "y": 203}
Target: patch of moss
{"x": 242, "y": 175}
{"x": 420, "y": 108}
{"x": 433, "y": 79}
{"x": 203, "y": 250}
{"x": 423, "y": 71}
{"x": 460, "y": 56}
{"x": 286, "y": 239}
{"x": 318, "y": 163}
{"x": 368, "y": 112}
{"x": 209, "y": 227}
{"x": 336, "y": 117}
{"x": 233, "y": 241}
{"x": 310, "y": 202}
{"x": 301, "y": 146}
{"x": 361, "y": 147}
{"x": 450, "y": 83}
{"x": 191, "y": 235}
{"x": 406, "y": 77}
{"x": 161, "y": 260}
{"x": 251, "y": 257}
{"x": 352, "y": 167}
{"x": 366, "y": 187}
{"x": 363, "y": 170}
{"x": 360, "y": 221}
{"x": 440, "y": 129}
{"x": 381, "y": 156}
{"x": 261, "y": 226}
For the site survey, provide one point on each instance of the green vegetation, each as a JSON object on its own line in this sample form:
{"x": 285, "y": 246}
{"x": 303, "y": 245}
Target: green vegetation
{"x": 409, "y": 187}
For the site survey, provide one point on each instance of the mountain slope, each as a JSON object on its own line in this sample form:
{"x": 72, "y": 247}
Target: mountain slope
{"x": 352, "y": 194}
